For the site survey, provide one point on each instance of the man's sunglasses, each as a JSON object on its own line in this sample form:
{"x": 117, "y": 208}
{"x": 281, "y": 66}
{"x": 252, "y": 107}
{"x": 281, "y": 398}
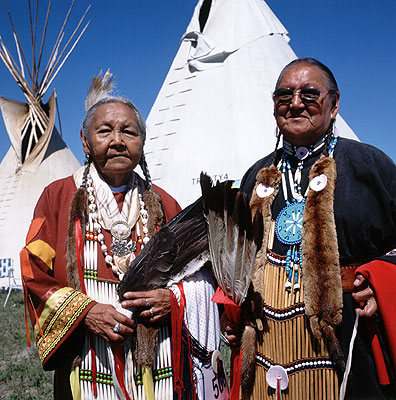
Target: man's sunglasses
{"x": 307, "y": 95}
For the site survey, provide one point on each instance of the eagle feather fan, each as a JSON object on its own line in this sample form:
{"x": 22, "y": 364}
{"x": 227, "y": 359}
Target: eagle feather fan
{"x": 234, "y": 238}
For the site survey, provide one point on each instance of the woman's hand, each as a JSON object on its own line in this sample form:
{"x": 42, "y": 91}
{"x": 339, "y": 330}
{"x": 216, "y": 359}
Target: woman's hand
{"x": 151, "y": 306}
{"x": 101, "y": 320}
{"x": 364, "y": 294}
{"x": 233, "y": 333}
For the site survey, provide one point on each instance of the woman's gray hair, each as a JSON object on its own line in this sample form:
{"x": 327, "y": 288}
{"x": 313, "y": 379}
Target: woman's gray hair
{"x": 114, "y": 99}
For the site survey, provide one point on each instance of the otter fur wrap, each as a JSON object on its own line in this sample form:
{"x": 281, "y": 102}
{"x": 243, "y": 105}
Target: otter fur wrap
{"x": 321, "y": 267}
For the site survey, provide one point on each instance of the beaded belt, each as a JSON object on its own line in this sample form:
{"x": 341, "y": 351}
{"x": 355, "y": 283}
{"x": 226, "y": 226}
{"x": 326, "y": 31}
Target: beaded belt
{"x": 347, "y": 271}
{"x": 348, "y": 276}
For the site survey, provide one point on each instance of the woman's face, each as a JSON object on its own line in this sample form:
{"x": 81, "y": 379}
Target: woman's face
{"x": 114, "y": 142}
{"x": 305, "y": 123}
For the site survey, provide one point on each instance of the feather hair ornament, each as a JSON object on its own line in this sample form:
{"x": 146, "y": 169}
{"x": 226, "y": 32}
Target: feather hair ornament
{"x": 234, "y": 240}
{"x": 100, "y": 87}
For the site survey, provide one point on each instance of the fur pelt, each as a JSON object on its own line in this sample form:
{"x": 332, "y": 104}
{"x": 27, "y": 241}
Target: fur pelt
{"x": 270, "y": 177}
{"x": 76, "y": 362}
{"x": 248, "y": 368}
{"x": 321, "y": 268}
{"x": 146, "y": 337}
{"x": 152, "y": 201}
{"x": 77, "y": 211}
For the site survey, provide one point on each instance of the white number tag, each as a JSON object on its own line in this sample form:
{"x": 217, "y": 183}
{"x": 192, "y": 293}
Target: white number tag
{"x": 215, "y": 380}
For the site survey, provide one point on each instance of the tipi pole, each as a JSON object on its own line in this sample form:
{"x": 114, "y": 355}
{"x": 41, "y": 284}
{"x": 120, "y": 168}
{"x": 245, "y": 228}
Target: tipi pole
{"x": 33, "y": 38}
{"x": 42, "y": 92}
{"x": 52, "y": 68}
{"x": 13, "y": 28}
{"x": 57, "y": 43}
{"x": 19, "y": 57}
{"x": 42, "y": 41}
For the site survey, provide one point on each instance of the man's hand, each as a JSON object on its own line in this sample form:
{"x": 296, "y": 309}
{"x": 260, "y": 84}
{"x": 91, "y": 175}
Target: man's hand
{"x": 364, "y": 295}
{"x": 233, "y": 333}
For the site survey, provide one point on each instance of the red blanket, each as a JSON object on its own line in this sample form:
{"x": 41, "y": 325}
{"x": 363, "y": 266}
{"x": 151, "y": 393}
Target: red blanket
{"x": 382, "y": 278}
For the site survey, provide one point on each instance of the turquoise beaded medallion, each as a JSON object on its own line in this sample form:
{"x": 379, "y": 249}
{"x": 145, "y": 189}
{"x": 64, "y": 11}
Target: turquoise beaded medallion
{"x": 288, "y": 226}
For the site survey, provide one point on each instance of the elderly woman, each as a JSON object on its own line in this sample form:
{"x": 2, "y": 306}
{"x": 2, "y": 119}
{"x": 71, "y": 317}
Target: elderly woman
{"x": 86, "y": 230}
{"x": 329, "y": 206}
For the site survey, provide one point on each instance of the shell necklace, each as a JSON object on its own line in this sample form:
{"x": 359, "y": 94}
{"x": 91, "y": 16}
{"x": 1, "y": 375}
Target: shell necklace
{"x": 123, "y": 247}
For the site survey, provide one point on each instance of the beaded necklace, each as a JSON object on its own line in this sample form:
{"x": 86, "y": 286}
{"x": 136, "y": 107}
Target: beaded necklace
{"x": 122, "y": 246}
{"x": 288, "y": 224}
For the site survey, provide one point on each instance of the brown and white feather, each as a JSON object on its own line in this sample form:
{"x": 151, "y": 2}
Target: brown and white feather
{"x": 232, "y": 236}
{"x": 100, "y": 87}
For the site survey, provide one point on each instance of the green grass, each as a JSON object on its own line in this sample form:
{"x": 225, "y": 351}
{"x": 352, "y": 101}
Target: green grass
{"x": 21, "y": 374}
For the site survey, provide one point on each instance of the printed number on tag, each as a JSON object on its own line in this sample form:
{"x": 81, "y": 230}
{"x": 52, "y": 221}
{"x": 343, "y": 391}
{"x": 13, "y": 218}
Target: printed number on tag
{"x": 215, "y": 380}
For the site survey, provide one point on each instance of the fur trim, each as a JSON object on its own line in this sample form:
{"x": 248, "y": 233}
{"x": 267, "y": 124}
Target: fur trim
{"x": 321, "y": 268}
{"x": 152, "y": 201}
{"x": 270, "y": 177}
{"x": 145, "y": 345}
{"x": 77, "y": 362}
{"x": 248, "y": 367}
{"x": 77, "y": 211}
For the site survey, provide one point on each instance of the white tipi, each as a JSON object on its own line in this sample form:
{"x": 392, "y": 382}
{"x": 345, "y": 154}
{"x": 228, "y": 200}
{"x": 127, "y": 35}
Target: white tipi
{"x": 214, "y": 111}
{"x": 38, "y": 155}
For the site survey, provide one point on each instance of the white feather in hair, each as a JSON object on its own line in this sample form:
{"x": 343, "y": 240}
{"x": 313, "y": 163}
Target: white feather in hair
{"x": 100, "y": 87}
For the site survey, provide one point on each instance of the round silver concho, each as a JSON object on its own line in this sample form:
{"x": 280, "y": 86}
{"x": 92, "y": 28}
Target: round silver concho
{"x": 120, "y": 230}
{"x": 122, "y": 244}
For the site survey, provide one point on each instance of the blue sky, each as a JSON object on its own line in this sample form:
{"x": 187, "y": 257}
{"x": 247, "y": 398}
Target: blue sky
{"x": 139, "y": 39}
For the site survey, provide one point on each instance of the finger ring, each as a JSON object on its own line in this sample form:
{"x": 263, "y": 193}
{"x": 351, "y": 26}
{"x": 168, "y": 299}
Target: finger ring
{"x": 116, "y": 328}
{"x": 151, "y": 313}
{"x": 147, "y": 303}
